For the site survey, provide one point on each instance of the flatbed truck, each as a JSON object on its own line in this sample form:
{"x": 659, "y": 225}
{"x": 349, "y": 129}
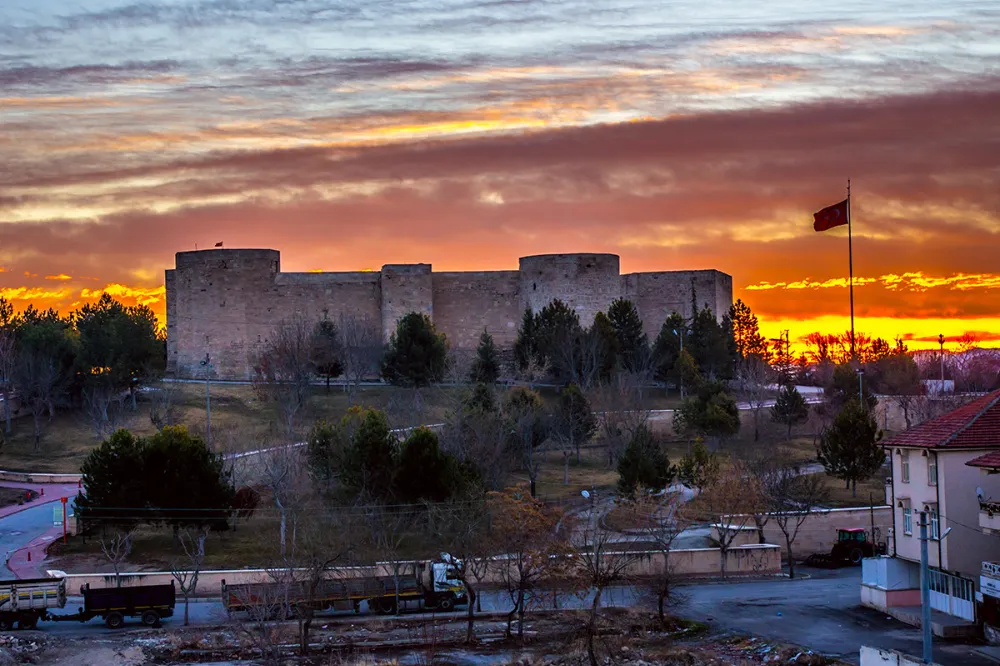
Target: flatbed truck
{"x": 421, "y": 586}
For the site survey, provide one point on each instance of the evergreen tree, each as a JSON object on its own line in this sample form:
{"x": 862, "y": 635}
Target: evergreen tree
{"x": 486, "y": 368}
{"x": 849, "y": 449}
{"x": 170, "y": 477}
{"x": 117, "y": 344}
{"x": 426, "y": 473}
{"x": 417, "y": 354}
{"x": 370, "y": 465}
{"x": 711, "y": 412}
{"x": 185, "y": 481}
{"x": 604, "y": 349}
{"x": 113, "y": 477}
{"x": 644, "y": 464}
{"x": 633, "y": 344}
{"x": 746, "y": 333}
{"x": 711, "y": 344}
{"x": 526, "y": 345}
{"x": 557, "y": 328}
{"x": 844, "y": 386}
{"x": 667, "y": 347}
{"x": 325, "y": 351}
{"x": 575, "y": 421}
{"x": 789, "y": 408}
{"x": 481, "y": 399}
{"x": 326, "y": 448}
{"x": 699, "y": 468}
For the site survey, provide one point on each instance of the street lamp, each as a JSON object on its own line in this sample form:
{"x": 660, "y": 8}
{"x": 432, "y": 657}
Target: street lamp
{"x": 861, "y": 386}
{"x": 941, "y": 342}
{"x": 680, "y": 335}
{"x": 206, "y": 363}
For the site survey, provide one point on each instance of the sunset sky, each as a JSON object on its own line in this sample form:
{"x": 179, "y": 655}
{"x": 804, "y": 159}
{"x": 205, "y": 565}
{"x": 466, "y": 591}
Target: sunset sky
{"x": 467, "y": 133}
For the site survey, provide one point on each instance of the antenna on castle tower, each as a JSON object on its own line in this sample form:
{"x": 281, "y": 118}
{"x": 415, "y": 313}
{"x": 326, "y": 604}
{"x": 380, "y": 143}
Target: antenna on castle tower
{"x": 195, "y": 247}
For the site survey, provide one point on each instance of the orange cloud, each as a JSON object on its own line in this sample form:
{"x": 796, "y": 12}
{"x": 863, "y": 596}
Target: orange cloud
{"x": 915, "y": 281}
{"x": 143, "y": 296}
{"x": 61, "y": 276}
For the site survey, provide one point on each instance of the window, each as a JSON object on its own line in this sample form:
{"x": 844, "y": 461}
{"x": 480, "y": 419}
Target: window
{"x": 907, "y": 517}
{"x": 935, "y": 522}
{"x": 904, "y": 467}
{"x": 932, "y": 469}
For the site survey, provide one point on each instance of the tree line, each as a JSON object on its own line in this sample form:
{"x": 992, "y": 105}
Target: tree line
{"x": 94, "y": 358}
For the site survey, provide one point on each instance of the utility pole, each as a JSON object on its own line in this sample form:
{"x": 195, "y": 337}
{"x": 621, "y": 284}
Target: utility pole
{"x": 861, "y": 387}
{"x": 941, "y": 358}
{"x": 208, "y": 400}
{"x": 680, "y": 334}
{"x": 925, "y": 592}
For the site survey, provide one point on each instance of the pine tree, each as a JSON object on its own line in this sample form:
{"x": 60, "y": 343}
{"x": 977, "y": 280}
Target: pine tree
{"x": 325, "y": 353}
{"x": 789, "y": 408}
{"x": 526, "y": 344}
{"x": 633, "y": 344}
{"x": 644, "y": 464}
{"x": 486, "y": 367}
{"x": 746, "y": 333}
{"x": 667, "y": 346}
{"x": 699, "y": 468}
{"x": 417, "y": 354}
{"x": 849, "y": 448}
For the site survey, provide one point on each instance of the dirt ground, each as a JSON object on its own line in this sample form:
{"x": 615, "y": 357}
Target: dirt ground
{"x": 554, "y": 639}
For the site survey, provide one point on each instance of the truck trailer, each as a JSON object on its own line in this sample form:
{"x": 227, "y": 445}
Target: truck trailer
{"x": 422, "y": 585}
{"x": 24, "y": 602}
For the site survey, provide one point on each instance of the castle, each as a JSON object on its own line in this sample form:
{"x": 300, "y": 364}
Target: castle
{"x": 225, "y": 303}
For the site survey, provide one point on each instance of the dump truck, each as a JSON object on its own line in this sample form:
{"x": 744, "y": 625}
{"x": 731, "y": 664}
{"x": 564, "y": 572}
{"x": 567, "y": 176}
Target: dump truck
{"x": 24, "y": 602}
{"x": 150, "y": 603}
{"x": 422, "y": 585}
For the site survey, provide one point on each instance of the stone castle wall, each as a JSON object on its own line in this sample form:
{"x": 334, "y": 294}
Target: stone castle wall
{"x": 225, "y": 303}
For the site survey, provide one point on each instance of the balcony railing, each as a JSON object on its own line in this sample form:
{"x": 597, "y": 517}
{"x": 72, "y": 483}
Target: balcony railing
{"x": 989, "y": 516}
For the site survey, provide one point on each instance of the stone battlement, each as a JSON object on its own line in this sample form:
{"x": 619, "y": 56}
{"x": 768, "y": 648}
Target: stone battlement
{"x": 225, "y": 303}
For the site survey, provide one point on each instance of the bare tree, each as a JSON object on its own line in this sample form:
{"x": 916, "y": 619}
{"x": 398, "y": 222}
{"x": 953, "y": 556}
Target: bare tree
{"x": 263, "y": 604}
{"x": 186, "y": 571}
{"x": 659, "y": 523}
{"x": 388, "y": 529}
{"x": 283, "y": 369}
{"x": 117, "y": 548}
{"x": 104, "y": 408}
{"x": 37, "y": 379}
{"x": 164, "y": 398}
{"x": 730, "y": 502}
{"x": 481, "y": 440}
{"x": 753, "y": 375}
{"x": 602, "y": 559}
{"x": 362, "y": 349}
{"x": 796, "y": 497}
{"x": 285, "y": 476}
{"x": 8, "y": 363}
{"x": 620, "y": 414}
{"x": 462, "y": 528}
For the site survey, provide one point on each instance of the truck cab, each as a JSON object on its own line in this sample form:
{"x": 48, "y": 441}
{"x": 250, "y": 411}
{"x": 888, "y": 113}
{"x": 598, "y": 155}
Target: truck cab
{"x": 446, "y": 581}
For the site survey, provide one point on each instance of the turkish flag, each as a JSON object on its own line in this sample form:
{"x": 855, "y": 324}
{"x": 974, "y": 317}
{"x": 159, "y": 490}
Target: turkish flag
{"x": 831, "y": 216}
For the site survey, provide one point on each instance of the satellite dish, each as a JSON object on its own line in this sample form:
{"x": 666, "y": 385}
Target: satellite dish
{"x": 979, "y": 493}
{"x": 586, "y": 494}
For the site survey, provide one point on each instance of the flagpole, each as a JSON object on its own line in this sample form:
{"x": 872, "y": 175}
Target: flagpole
{"x": 850, "y": 265}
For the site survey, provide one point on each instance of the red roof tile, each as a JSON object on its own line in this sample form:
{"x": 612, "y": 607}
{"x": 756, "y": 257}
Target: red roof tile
{"x": 972, "y": 426}
{"x": 991, "y": 459}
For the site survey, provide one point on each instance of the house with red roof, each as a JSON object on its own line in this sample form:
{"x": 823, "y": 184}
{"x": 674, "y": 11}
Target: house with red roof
{"x": 932, "y": 480}
{"x": 989, "y": 521}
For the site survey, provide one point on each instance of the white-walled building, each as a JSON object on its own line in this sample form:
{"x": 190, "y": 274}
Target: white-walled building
{"x": 930, "y": 473}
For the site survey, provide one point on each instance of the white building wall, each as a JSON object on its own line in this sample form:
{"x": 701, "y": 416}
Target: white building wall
{"x": 919, "y": 492}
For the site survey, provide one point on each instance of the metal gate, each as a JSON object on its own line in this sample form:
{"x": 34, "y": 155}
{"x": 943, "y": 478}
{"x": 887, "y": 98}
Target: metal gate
{"x": 953, "y": 595}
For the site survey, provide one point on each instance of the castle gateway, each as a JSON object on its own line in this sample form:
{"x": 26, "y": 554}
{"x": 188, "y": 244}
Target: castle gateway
{"x": 226, "y": 303}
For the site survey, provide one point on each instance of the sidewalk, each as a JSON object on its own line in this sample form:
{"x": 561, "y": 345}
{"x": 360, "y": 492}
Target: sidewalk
{"x": 48, "y": 492}
{"x": 25, "y": 568}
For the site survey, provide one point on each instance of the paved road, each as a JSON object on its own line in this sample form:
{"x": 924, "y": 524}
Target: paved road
{"x": 19, "y": 529}
{"x": 822, "y": 613}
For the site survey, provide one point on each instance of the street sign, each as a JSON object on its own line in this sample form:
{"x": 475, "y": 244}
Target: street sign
{"x": 989, "y": 586}
{"x": 57, "y": 516}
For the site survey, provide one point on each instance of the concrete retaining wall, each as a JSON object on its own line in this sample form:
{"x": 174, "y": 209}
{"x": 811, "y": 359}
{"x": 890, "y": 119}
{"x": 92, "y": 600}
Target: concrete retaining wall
{"x": 37, "y": 477}
{"x": 819, "y": 531}
{"x": 871, "y": 656}
{"x": 702, "y": 562}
